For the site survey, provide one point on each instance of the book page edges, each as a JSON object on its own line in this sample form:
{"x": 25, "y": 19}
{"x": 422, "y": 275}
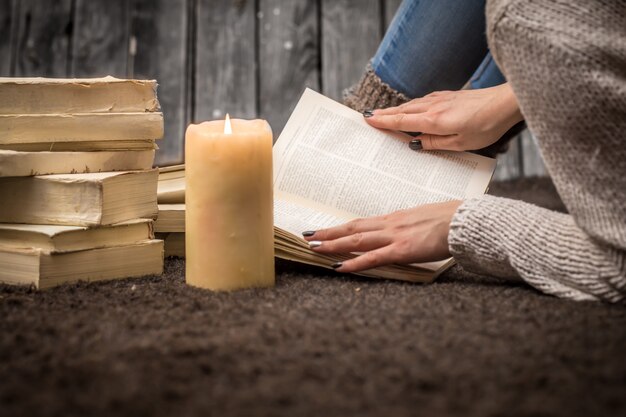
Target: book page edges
{"x": 29, "y": 128}
{"x": 92, "y": 176}
{"x": 172, "y": 168}
{"x": 16, "y": 163}
{"x": 48, "y": 270}
{"x": 75, "y": 81}
{"x": 51, "y": 230}
{"x": 83, "y": 146}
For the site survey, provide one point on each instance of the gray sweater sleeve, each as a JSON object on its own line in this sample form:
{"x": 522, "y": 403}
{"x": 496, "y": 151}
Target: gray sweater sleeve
{"x": 512, "y": 239}
{"x": 565, "y": 62}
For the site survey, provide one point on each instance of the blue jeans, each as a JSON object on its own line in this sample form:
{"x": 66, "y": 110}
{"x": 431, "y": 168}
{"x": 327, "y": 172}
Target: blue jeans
{"x": 434, "y": 45}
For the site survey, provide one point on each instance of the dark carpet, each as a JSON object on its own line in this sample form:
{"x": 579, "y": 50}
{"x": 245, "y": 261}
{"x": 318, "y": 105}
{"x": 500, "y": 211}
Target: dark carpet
{"x": 319, "y": 344}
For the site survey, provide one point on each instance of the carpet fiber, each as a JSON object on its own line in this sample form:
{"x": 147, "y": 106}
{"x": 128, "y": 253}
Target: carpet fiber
{"x": 318, "y": 344}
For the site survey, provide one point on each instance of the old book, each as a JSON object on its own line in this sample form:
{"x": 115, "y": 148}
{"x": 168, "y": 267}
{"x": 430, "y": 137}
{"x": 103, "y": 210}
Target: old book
{"x": 43, "y": 269}
{"x": 174, "y": 244}
{"x": 87, "y": 146}
{"x": 171, "y": 189}
{"x": 19, "y": 164}
{"x": 58, "y": 239}
{"x": 79, "y": 199}
{"x": 330, "y": 166}
{"x": 28, "y": 128}
{"x": 171, "y": 218}
{"x": 75, "y": 95}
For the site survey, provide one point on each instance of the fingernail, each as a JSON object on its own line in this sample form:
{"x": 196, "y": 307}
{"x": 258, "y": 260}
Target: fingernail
{"x": 416, "y": 145}
{"x": 368, "y": 113}
{"x": 308, "y": 233}
{"x": 315, "y": 244}
{"x": 336, "y": 265}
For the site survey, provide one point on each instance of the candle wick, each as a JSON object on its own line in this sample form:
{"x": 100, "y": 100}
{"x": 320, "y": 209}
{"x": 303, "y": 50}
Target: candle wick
{"x": 227, "y": 127}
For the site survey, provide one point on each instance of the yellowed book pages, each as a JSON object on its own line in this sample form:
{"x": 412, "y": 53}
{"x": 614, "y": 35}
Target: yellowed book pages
{"x": 45, "y": 270}
{"x": 58, "y": 239}
{"x": 166, "y": 170}
{"x": 77, "y": 95}
{"x": 29, "y": 128}
{"x": 174, "y": 244}
{"x": 171, "y": 218}
{"x": 171, "y": 189}
{"x": 87, "y": 146}
{"x": 19, "y": 164}
{"x": 79, "y": 199}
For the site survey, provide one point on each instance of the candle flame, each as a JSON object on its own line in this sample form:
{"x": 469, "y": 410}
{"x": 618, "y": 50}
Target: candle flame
{"x": 227, "y": 128}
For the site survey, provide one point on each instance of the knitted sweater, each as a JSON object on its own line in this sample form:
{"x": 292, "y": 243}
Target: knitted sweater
{"x": 566, "y": 63}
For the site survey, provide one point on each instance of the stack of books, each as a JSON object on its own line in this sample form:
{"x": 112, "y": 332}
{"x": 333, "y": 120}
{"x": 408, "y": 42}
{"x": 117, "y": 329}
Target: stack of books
{"x": 77, "y": 188}
{"x": 170, "y": 223}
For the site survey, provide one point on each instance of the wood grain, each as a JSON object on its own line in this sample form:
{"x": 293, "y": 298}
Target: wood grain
{"x": 351, "y": 32}
{"x": 100, "y": 44}
{"x": 225, "y": 60}
{"x": 42, "y": 38}
{"x": 6, "y": 29}
{"x": 212, "y": 56}
{"x": 159, "y": 40}
{"x": 288, "y": 57}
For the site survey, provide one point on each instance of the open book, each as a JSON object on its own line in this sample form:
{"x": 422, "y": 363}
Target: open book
{"x": 330, "y": 166}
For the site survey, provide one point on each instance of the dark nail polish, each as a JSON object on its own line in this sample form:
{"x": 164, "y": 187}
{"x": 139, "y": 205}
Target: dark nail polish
{"x": 415, "y": 145}
{"x": 368, "y": 113}
{"x": 336, "y": 265}
{"x": 308, "y": 233}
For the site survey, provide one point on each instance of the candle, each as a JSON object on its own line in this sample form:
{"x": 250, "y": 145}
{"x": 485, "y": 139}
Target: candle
{"x": 229, "y": 236}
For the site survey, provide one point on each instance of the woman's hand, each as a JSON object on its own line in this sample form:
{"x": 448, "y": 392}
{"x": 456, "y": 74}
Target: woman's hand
{"x": 419, "y": 234}
{"x": 453, "y": 120}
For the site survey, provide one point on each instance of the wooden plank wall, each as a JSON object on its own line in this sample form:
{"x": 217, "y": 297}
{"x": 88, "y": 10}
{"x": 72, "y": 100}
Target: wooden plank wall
{"x": 289, "y": 56}
{"x": 251, "y": 58}
{"x": 6, "y": 31}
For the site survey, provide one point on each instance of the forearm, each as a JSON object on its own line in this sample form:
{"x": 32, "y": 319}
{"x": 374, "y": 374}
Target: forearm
{"x": 511, "y": 239}
{"x": 506, "y": 107}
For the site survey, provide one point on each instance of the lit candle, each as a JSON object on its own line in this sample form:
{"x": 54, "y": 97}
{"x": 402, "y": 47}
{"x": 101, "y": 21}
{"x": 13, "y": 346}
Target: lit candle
{"x": 229, "y": 237}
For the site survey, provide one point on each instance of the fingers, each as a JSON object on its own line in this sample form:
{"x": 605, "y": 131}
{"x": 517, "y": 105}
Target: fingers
{"x": 357, "y": 242}
{"x": 360, "y": 235}
{"x": 437, "y": 142}
{"x": 410, "y": 107}
{"x": 407, "y": 122}
{"x": 379, "y": 257}
{"x": 346, "y": 229}
{"x": 417, "y": 105}
{"x": 438, "y": 132}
